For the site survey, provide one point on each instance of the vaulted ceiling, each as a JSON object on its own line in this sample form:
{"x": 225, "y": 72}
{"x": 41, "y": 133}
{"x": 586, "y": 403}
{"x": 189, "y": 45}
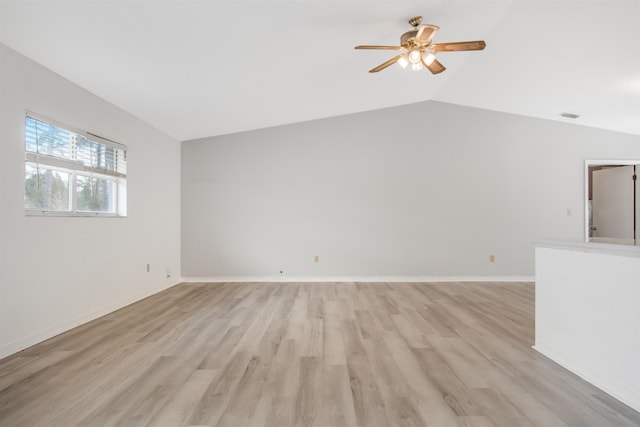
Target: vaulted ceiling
{"x": 202, "y": 68}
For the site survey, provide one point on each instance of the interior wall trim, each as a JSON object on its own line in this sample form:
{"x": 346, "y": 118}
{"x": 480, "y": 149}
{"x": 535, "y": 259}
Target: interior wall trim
{"x": 350, "y": 279}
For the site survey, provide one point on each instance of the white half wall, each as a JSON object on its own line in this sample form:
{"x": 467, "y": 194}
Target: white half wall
{"x": 423, "y": 190}
{"x": 56, "y": 273}
{"x": 587, "y": 317}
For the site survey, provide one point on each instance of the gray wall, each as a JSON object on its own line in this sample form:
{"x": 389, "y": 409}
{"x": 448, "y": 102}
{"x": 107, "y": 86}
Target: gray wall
{"x": 56, "y": 273}
{"x": 425, "y": 190}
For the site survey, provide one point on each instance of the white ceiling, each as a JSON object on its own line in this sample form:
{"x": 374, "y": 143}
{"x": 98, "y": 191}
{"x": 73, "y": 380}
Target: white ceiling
{"x": 202, "y": 68}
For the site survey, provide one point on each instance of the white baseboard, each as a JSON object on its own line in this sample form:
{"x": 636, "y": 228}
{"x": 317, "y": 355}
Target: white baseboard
{"x": 609, "y": 385}
{"x": 334, "y": 279}
{"x": 50, "y": 332}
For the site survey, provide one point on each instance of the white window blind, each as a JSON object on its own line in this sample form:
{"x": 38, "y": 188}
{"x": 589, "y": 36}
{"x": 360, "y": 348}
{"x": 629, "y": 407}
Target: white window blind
{"x": 72, "y": 172}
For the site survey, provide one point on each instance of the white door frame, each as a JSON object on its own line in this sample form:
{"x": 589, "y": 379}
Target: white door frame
{"x": 587, "y": 163}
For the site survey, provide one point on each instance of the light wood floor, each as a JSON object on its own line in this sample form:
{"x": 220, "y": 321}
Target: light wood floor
{"x": 266, "y": 354}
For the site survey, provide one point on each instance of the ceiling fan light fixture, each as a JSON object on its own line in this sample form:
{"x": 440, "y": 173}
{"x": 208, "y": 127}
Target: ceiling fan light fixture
{"x": 418, "y": 49}
{"x": 414, "y": 56}
{"x": 428, "y": 57}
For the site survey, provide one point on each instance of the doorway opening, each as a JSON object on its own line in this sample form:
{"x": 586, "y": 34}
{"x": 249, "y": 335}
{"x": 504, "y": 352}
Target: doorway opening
{"x": 612, "y": 194}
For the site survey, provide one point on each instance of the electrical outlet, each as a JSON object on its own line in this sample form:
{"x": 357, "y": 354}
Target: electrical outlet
{"x": 492, "y": 258}
{"x": 148, "y": 268}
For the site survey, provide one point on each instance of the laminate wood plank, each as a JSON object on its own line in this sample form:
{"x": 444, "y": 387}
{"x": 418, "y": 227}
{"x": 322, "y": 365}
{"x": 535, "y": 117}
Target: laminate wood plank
{"x": 314, "y": 310}
{"x": 436, "y": 320}
{"x": 246, "y": 394}
{"x": 432, "y": 404}
{"x": 469, "y": 366}
{"x": 367, "y": 402}
{"x": 284, "y": 373}
{"x": 366, "y": 324}
{"x": 138, "y": 399}
{"x": 306, "y": 354}
{"x": 400, "y": 401}
{"x": 312, "y": 338}
{"x": 534, "y": 411}
{"x": 226, "y": 342}
{"x": 283, "y": 382}
{"x": 217, "y": 396}
{"x": 408, "y": 330}
{"x": 475, "y": 421}
{"x": 453, "y": 389}
{"x": 352, "y": 338}
{"x": 344, "y": 290}
{"x": 337, "y": 407}
{"x": 179, "y": 407}
{"x": 332, "y": 345}
{"x": 15, "y": 376}
{"x": 309, "y": 394}
{"x": 80, "y": 395}
{"x": 257, "y": 328}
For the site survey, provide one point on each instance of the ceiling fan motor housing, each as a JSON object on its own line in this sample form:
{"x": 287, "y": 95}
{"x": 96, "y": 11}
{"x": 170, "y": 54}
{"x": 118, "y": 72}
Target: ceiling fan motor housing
{"x": 406, "y": 37}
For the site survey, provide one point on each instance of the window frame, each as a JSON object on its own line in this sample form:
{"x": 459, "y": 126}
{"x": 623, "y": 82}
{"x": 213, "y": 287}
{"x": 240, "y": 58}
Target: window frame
{"x": 75, "y": 169}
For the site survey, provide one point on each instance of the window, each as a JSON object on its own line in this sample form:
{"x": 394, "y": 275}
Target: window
{"x": 72, "y": 172}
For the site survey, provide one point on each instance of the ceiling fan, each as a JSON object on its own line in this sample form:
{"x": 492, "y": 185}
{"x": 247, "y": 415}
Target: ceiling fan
{"x": 418, "y": 49}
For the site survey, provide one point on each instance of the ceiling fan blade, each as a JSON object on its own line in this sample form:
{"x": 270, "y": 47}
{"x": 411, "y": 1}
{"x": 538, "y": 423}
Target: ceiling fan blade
{"x": 385, "y": 64}
{"x": 426, "y": 33}
{"x": 378, "y": 47}
{"x": 458, "y": 46}
{"x": 435, "y": 67}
